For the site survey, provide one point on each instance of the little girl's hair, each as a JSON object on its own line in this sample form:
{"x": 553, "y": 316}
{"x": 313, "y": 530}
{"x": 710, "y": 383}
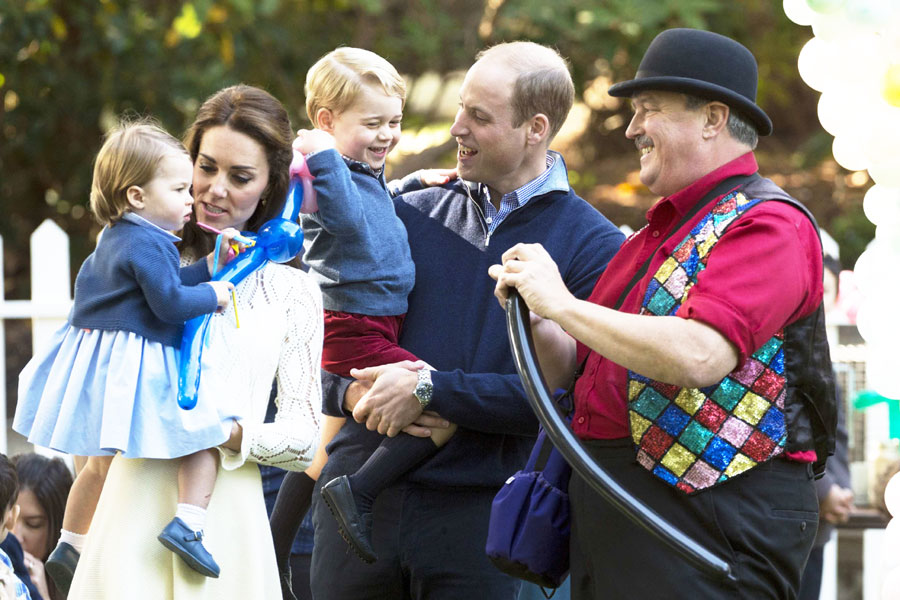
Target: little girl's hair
{"x": 130, "y": 155}
{"x": 336, "y": 79}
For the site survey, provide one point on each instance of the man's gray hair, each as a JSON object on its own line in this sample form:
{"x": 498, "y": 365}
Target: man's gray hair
{"x": 738, "y": 126}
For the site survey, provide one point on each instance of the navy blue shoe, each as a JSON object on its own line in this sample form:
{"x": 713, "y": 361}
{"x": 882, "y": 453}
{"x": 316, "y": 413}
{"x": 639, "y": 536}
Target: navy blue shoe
{"x": 188, "y": 544}
{"x": 354, "y": 525}
{"x": 60, "y": 565}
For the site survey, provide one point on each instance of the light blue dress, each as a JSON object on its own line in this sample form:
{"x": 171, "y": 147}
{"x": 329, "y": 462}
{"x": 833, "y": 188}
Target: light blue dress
{"x": 97, "y": 392}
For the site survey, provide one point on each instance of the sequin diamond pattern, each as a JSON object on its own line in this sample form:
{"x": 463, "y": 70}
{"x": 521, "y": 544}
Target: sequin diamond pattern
{"x": 696, "y": 438}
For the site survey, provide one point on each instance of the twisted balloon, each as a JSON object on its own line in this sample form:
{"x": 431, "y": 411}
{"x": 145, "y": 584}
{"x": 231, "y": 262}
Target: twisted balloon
{"x": 279, "y": 240}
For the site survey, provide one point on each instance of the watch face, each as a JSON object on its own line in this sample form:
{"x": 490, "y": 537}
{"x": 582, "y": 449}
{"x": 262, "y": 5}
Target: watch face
{"x": 423, "y": 389}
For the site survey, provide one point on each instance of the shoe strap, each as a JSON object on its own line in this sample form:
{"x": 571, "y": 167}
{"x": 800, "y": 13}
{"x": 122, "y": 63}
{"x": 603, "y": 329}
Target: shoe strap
{"x": 195, "y": 536}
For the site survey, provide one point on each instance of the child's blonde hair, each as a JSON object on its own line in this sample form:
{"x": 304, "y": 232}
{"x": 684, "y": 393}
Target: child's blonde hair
{"x": 129, "y": 156}
{"x": 336, "y": 79}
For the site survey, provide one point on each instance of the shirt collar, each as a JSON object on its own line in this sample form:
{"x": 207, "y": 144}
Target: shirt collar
{"x": 139, "y": 220}
{"x": 358, "y": 165}
{"x": 684, "y": 199}
{"x": 554, "y": 179}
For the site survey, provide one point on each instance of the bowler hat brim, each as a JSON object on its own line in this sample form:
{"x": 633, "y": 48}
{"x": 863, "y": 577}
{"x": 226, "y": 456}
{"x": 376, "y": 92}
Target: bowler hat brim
{"x": 703, "y": 89}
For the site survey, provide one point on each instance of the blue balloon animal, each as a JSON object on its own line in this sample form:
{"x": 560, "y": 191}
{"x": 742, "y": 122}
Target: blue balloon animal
{"x": 279, "y": 240}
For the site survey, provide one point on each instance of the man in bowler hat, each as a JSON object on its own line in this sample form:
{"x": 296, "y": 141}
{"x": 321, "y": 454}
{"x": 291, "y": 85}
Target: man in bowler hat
{"x": 703, "y": 344}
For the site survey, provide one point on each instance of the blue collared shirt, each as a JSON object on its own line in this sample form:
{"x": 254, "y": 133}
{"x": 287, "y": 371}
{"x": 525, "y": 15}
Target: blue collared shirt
{"x": 555, "y": 178}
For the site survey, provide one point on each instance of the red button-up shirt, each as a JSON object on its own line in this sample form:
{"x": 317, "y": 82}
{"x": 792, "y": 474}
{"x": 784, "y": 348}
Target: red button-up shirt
{"x": 764, "y": 273}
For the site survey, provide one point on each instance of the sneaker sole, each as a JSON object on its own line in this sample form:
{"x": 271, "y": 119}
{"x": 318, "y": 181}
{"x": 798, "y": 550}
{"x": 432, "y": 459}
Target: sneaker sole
{"x": 187, "y": 558}
{"x": 343, "y": 528}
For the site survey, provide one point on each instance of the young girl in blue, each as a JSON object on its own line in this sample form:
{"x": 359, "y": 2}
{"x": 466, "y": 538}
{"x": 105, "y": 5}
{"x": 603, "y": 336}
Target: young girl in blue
{"x": 107, "y": 382}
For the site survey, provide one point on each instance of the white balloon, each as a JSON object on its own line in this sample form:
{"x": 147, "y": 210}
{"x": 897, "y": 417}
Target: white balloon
{"x": 881, "y": 367}
{"x": 859, "y": 60}
{"x": 837, "y": 111}
{"x": 832, "y": 27}
{"x": 885, "y": 172}
{"x": 888, "y": 237}
{"x": 798, "y": 11}
{"x": 874, "y": 14}
{"x": 892, "y": 501}
{"x": 867, "y": 322}
{"x": 816, "y": 65}
{"x": 882, "y": 129}
{"x": 881, "y": 205}
{"x": 849, "y": 152}
{"x": 874, "y": 273}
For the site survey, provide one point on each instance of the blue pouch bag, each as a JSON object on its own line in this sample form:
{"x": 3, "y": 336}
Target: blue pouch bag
{"x": 528, "y": 533}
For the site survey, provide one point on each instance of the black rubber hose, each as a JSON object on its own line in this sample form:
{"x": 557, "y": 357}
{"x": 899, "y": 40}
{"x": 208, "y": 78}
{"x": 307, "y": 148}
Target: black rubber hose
{"x": 518, "y": 325}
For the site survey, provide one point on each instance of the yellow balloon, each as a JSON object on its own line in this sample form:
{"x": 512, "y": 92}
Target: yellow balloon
{"x": 892, "y": 85}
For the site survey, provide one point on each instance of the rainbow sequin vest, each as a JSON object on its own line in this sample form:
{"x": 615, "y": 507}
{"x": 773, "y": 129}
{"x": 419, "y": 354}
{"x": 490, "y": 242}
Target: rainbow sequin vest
{"x": 695, "y": 438}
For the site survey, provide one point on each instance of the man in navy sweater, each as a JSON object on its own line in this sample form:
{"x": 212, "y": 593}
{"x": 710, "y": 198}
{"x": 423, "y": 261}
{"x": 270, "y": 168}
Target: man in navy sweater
{"x": 429, "y": 529}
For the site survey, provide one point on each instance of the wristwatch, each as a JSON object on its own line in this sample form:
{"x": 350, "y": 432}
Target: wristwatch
{"x": 423, "y": 387}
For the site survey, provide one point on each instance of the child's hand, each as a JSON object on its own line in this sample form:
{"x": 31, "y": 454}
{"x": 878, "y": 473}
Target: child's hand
{"x": 313, "y": 140}
{"x": 223, "y": 293}
{"x": 432, "y": 177}
{"x": 226, "y": 250}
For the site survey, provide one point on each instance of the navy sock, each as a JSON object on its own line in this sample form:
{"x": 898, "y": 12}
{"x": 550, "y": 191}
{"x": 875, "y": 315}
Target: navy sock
{"x": 394, "y": 457}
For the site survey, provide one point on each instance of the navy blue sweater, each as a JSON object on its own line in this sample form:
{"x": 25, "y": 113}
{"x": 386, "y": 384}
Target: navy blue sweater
{"x": 132, "y": 282}
{"x": 456, "y": 325}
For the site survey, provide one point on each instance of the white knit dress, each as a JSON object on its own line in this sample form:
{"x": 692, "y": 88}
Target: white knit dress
{"x": 280, "y": 336}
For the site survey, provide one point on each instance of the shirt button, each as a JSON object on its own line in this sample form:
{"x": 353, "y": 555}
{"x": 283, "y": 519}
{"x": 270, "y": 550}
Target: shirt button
{"x": 656, "y": 234}
{"x": 489, "y": 220}
{"x": 581, "y": 419}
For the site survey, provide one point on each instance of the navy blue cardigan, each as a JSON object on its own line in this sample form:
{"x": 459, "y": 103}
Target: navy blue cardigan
{"x": 132, "y": 282}
{"x": 456, "y": 325}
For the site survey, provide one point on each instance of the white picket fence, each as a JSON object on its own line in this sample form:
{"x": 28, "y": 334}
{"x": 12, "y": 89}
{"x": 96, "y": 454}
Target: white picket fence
{"x": 51, "y": 299}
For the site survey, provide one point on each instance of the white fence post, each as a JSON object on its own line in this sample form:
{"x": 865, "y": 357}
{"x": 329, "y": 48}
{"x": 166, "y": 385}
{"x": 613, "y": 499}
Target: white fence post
{"x": 50, "y": 289}
{"x": 51, "y": 299}
{"x": 50, "y": 281}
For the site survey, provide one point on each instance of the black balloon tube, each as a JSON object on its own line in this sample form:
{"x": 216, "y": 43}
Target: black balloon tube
{"x": 519, "y": 328}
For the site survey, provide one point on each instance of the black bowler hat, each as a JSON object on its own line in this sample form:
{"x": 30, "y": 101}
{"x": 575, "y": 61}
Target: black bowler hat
{"x": 701, "y": 63}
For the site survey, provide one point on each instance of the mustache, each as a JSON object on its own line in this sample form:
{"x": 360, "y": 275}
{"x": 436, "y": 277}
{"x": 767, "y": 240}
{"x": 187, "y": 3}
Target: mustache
{"x": 642, "y": 141}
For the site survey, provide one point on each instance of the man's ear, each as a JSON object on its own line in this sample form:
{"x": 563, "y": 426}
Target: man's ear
{"x": 135, "y": 196}
{"x": 716, "y": 117}
{"x": 538, "y": 129}
{"x": 325, "y": 120}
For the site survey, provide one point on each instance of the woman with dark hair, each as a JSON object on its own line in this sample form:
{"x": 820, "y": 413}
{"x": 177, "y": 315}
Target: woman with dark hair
{"x": 43, "y": 488}
{"x": 240, "y": 144}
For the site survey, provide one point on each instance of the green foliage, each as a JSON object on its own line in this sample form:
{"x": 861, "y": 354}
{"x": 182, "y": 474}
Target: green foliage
{"x": 70, "y": 67}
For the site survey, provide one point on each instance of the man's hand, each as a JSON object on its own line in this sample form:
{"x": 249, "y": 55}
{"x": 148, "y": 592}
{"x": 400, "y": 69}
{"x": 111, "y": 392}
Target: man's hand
{"x": 530, "y": 269}
{"x": 837, "y": 505}
{"x": 389, "y": 405}
{"x": 357, "y": 389}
